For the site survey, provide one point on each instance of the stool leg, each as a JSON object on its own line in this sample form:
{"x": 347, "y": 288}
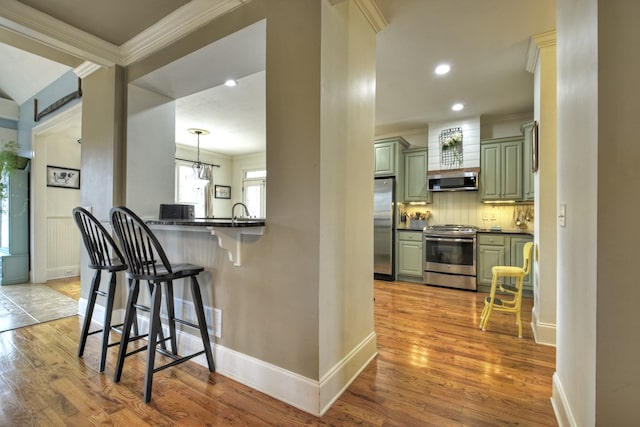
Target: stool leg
{"x": 134, "y": 289}
{"x": 88, "y": 314}
{"x": 202, "y": 322}
{"x": 171, "y": 316}
{"x": 106, "y": 328}
{"x": 160, "y": 332}
{"x": 492, "y": 296}
{"x": 136, "y": 332}
{"x": 156, "y": 297}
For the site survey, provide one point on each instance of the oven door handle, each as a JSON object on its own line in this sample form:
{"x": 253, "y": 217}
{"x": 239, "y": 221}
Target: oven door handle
{"x": 445, "y": 239}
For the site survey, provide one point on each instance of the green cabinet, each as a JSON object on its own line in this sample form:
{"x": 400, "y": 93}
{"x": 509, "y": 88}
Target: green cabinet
{"x": 409, "y": 262}
{"x": 14, "y": 232}
{"x": 501, "y": 169}
{"x": 387, "y": 153}
{"x": 415, "y": 175}
{"x": 527, "y": 172}
{"x": 501, "y": 249}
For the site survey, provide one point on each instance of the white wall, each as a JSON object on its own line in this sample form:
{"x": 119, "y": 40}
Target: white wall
{"x": 574, "y": 391}
{"x": 221, "y": 176}
{"x": 470, "y": 141}
{"x": 63, "y": 238}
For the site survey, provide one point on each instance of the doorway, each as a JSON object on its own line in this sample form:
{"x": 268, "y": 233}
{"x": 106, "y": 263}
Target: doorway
{"x": 55, "y": 241}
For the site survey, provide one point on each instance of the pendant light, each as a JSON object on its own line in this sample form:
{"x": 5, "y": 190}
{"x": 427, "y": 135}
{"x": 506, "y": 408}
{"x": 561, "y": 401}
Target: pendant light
{"x": 198, "y": 167}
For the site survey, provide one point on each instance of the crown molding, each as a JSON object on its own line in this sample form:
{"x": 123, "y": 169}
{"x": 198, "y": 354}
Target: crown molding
{"x": 85, "y": 69}
{"x": 373, "y": 14}
{"x": 35, "y": 25}
{"x": 38, "y": 26}
{"x": 181, "y": 22}
{"x": 535, "y": 44}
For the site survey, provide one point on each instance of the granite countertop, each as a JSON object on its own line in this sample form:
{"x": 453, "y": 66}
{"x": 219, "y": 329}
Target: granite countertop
{"x": 209, "y": 222}
{"x": 506, "y": 231}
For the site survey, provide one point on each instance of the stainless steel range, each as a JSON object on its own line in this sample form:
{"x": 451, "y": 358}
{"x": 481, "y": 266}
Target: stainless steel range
{"x": 450, "y": 256}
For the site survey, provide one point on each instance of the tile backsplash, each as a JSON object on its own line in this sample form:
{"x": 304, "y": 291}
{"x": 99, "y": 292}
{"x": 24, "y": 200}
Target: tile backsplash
{"x": 465, "y": 207}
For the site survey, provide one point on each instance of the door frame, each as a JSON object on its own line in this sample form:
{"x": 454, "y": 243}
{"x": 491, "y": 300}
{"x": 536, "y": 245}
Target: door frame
{"x": 38, "y": 202}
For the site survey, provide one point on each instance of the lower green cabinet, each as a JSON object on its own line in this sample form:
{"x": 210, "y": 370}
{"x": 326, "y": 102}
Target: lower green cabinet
{"x": 501, "y": 249}
{"x": 409, "y": 262}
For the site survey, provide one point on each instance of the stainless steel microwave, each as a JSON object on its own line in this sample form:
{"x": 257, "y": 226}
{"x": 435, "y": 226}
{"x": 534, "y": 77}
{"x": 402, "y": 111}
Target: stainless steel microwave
{"x": 453, "y": 181}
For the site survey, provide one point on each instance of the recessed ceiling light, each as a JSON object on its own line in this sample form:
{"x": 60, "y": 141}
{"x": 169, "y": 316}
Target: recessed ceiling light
{"x": 443, "y": 69}
{"x": 457, "y": 107}
{"x": 230, "y": 83}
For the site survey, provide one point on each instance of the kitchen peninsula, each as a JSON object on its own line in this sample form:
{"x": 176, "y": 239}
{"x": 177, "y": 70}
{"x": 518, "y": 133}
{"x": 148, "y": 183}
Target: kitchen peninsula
{"x": 229, "y": 231}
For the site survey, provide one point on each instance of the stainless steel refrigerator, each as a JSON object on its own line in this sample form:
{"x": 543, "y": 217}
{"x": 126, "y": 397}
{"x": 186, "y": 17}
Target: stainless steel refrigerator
{"x": 383, "y": 228}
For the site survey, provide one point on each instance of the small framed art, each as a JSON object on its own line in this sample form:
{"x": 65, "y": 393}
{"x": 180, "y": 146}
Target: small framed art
{"x": 223, "y": 192}
{"x": 63, "y": 177}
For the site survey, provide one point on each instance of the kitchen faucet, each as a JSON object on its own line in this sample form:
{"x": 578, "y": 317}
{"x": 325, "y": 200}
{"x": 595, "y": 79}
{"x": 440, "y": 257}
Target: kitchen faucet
{"x": 246, "y": 210}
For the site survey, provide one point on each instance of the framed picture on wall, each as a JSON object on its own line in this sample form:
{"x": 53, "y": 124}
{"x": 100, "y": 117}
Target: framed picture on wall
{"x": 223, "y": 192}
{"x": 63, "y": 177}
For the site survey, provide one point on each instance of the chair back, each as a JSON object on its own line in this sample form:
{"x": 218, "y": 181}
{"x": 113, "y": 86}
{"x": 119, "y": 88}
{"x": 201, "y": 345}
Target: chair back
{"x": 141, "y": 248}
{"x": 102, "y": 249}
{"x": 527, "y": 254}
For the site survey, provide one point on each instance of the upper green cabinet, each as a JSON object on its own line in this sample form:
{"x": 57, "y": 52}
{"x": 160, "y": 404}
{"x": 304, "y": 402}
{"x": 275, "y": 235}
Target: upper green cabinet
{"x": 527, "y": 172}
{"x": 387, "y": 156}
{"x": 415, "y": 175}
{"x": 501, "y": 169}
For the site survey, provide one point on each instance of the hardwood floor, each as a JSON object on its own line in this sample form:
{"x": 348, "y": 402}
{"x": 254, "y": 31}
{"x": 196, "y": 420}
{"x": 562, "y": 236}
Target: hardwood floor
{"x": 69, "y": 286}
{"x": 435, "y": 368}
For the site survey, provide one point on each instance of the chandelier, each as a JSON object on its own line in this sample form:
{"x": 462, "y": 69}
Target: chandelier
{"x": 198, "y": 166}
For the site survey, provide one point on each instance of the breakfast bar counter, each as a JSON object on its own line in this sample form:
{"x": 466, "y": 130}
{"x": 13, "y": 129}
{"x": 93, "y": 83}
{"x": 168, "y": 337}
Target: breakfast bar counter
{"x": 229, "y": 232}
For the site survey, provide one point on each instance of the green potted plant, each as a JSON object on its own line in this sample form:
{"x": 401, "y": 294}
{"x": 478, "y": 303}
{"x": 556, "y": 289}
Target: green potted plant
{"x": 9, "y": 162}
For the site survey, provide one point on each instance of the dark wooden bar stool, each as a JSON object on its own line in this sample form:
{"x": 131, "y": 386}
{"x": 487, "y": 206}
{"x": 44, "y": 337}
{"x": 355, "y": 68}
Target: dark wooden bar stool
{"x": 147, "y": 261}
{"x": 105, "y": 256}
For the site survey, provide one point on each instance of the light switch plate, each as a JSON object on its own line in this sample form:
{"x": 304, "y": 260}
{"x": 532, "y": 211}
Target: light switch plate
{"x": 562, "y": 217}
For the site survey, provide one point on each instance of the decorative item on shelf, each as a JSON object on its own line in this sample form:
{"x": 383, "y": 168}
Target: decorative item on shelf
{"x": 451, "y": 148}
{"x": 198, "y": 166}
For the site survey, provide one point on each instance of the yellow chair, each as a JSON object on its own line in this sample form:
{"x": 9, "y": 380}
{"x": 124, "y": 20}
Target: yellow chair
{"x": 510, "y": 297}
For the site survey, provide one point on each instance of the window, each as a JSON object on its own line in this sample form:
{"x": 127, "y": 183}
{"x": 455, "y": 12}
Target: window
{"x": 189, "y": 190}
{"x": 254, "y": 185}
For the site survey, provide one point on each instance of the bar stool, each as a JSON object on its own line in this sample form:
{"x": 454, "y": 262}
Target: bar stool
{"x": 511, "y": 298}
{"x": 147, "y": 261}
{"x": 104, "y": 255}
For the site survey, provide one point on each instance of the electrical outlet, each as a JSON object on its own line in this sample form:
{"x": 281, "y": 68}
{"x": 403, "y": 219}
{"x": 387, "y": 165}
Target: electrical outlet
{"x": 485, "y": 216}
{"x": 68, "y": 273}
{"x": 217, "y": 323}
{"x": 493, "y": 216}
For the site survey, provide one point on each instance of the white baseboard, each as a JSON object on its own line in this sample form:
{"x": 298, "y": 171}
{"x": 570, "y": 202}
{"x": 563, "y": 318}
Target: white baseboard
{"x": 333, "y": 383}
{"x": 560, "y": 404}
{"x": 61, "y": 272}
{"x": 543, "y": 333}
{"x": 312, "y": 396}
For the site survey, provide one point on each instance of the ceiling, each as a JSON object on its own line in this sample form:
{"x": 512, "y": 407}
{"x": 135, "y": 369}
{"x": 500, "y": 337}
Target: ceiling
{"x": 485, "y": 41}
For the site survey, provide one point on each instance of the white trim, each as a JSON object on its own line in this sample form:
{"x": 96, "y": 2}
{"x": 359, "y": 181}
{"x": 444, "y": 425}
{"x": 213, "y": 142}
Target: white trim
{"x": 312, "y": 396}
{"x": 174, "y": 26}
{"x": 543, "y": 333}
{"x": 370, "y": 10}
{"x": 333, "y": 383}
{"x": 38, "y": 26}
{"x": 85, "y": 69}
{"x": 9, "y": 109}
{"x": 43, "y": 28}
{"x": 560, "y": 404}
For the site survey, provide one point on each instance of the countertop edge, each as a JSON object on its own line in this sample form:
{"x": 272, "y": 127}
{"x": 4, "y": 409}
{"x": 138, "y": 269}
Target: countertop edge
{"x": 206, "y": 223}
